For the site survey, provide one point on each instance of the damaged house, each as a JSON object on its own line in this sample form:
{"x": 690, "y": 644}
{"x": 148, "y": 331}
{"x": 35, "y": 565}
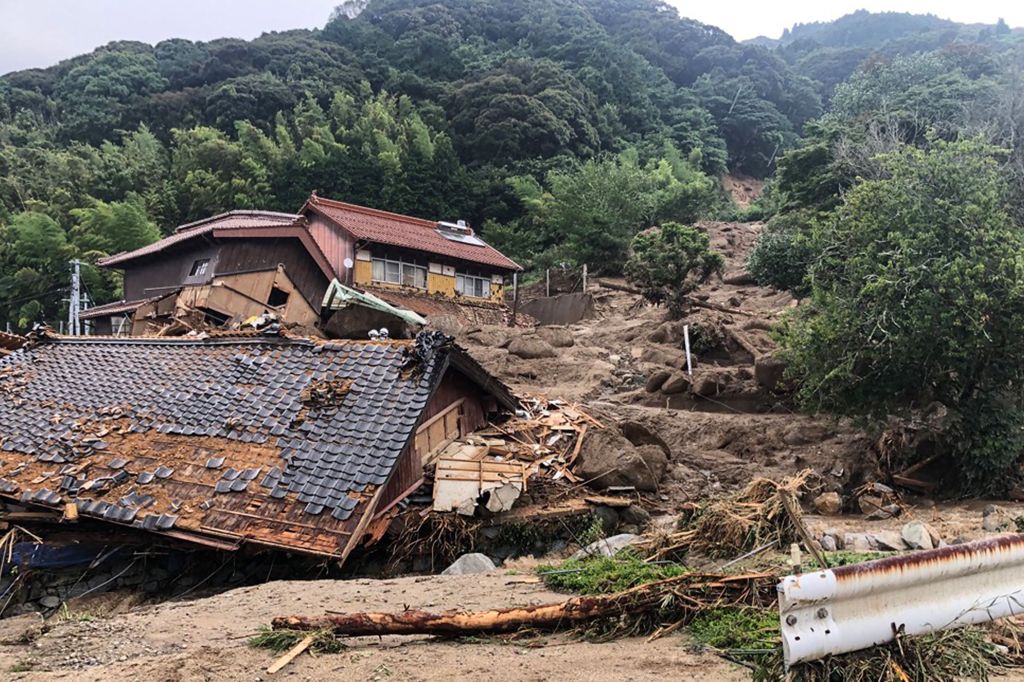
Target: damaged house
{"x": 434, "y": 268}
{"x": 233, "y": 440}
{"x": 220, "y": 270}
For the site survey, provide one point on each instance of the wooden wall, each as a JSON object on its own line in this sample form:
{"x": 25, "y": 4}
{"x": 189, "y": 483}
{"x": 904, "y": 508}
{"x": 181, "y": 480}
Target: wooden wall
{"x": 168, "y": 270}
{"x": 334, "y": 242}
{"x": 247, "y": 255}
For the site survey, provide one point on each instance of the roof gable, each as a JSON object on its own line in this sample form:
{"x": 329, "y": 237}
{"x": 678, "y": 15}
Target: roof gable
{"x": 394, "y": 229}
{"x": 276, "y": 441}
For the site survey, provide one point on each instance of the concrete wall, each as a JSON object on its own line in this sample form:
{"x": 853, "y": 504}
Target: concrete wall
{"x": 564, "y": 309}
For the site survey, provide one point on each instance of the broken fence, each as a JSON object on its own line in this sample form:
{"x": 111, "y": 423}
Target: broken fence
{"x": 863, "y": 605}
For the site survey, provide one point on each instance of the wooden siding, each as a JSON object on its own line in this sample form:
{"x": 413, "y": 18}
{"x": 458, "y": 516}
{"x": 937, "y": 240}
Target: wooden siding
{"x": 169, "y": 270}
{"x": 336, "y": 244}
{"x": 247, "y": 255}
{"x": 454, "y": 389}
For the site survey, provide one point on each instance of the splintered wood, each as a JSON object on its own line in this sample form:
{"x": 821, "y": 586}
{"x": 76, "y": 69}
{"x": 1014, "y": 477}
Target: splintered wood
{"x": 544, "y": 438}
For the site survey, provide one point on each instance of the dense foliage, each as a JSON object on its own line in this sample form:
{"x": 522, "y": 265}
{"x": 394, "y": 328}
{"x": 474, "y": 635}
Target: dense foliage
{"x": 917, "y": 295}
{"x": 669, "y": 262}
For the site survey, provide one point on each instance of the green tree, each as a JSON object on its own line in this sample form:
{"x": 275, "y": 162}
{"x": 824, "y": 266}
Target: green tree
{"x": 669, "y": 262}
{"x": 918, "y": 296}
{"x": 34, "y": 255}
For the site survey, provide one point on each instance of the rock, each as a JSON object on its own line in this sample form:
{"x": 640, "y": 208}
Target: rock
{"x": 769, "y": 370}
{"x": 669, "y": 357}
{"x": 49, "y": 602}
{"x": 836, "y": 536}
{"x": 608, "y": 546}
{"x": 869, "y": 503}
{"x": 994, "y": 523}
{"x": 828, "y": 504}
{"x": 614, "y": 359}
{"x": 470, "y": 564}
{"x": 828, "y": 543}
{"x": 915, "y": 534}
{"x": 889, "y": 511}
{"x": 635, "y": 515}
{"x": 531, "y": 348}
{"x": 657, "y": 380}
{"x": 559, "y": 337}
{"x": 889, "y": 540}
{"x": 859, "y": 542}
{"x": 489, "y": 338}
{"x": 678, "y": 382}
{"x": 706, "y": 385}
{"x": 607, "y": 458}
{"x": 638, "y": 434}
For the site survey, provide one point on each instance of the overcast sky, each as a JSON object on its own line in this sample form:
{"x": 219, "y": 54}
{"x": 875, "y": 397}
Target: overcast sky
{"x": 37, "y": 33}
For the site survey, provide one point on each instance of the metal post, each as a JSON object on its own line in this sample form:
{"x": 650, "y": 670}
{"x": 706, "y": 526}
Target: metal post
{"x": 584, "y": 278}
{"x": 547, "y": 282}
{"x": 75, "y": 298}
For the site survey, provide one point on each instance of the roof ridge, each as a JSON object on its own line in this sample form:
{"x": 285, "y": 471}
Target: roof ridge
{"x": 424, "y": 222}
{"x": 295, "y": 217}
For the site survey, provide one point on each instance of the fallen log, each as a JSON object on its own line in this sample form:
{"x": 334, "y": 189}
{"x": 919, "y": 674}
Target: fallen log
{"x": 692, "y": 592}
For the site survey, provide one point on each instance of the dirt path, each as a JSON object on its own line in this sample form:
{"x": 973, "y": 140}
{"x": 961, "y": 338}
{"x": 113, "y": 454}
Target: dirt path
{"x": 205, "y": 639}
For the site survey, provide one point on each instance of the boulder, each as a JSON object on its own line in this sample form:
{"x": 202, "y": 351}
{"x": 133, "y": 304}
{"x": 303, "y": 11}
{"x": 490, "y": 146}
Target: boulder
{"x": 828, "y": 543}
{"x": 769, "y": 370}
{"x": 668, "y": 357}
{"x": 916, "y": 535}
{"x": 531, "y": 348}
{"x": 636, "y": 516}
{"x": 470, "y": 564}
{"x": 677, "y": 382}
{"x": 608, "y": 546}
{"x": 828, "y": 504}
{"x": 889, "y": 540}
{"x": 607, "y": 458}
{"x": 49, "y": 602}
{"x": 489, "y": 338}
{"x": 638, "y": 434}
{"x": 657, "y": 380}
{"x": 559, "y": 337}
{"x": 706, "y": 385}
{"x": 859, "y": 542}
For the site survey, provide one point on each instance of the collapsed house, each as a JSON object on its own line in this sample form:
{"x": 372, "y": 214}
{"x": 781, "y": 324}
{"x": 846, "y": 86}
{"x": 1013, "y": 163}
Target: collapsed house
{"x": 240, "y": 265}
{"x": 232, "y": 441}
{"x": 216, "y": 271}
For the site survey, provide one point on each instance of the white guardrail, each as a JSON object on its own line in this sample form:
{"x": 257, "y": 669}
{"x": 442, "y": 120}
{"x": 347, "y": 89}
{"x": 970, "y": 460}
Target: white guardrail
{"x": 862, "y": 605}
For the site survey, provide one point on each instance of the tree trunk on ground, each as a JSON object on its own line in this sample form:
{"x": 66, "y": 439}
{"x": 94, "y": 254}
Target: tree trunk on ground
{"x": 691, "y": 591}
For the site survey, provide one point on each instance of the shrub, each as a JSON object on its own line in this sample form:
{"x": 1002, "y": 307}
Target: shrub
{"x": 782, "y": 254}
{"x": 669, "y": 262}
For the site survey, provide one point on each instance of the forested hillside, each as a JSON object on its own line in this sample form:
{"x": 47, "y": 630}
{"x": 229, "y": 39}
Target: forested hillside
{"x": 559, "y": 128}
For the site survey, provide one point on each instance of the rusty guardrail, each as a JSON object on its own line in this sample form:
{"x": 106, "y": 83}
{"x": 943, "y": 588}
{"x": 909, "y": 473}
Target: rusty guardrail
{"x": 862, "y": 605}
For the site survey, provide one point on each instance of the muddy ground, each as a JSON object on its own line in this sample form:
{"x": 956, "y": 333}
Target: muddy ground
{"x": 724, "y": 426}
{"x": 205, "y": 639}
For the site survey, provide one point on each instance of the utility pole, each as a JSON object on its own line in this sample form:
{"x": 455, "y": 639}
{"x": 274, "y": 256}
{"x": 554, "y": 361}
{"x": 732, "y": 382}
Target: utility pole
{"x": 75, "y": 299}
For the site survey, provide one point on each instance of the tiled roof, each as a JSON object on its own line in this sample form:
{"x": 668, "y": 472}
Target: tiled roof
{"x": 269, "y": 440}
{"x": 11, "y": 341}
{"x": 232, "y": 220}
{"x": 382, "y": 227}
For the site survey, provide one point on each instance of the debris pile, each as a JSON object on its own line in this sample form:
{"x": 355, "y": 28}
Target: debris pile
{"x": 492, "y": 468}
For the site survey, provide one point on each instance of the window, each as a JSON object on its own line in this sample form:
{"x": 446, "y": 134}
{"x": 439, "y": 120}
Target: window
{"x": 469, "y": 285}
{"x": 199, "y": 267}
{"x": 397, "y": 272}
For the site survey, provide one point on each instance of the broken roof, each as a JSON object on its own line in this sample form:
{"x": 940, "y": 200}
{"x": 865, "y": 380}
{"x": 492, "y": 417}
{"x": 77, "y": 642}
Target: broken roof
{"x": 11, "y": 341}
{"x": 241, "y": 224}
{"x": 382, "y": 227}
{"x": 275, "y": 441}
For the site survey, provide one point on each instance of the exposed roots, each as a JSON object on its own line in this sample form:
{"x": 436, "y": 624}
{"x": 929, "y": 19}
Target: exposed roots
{"x": 441, "y": 537}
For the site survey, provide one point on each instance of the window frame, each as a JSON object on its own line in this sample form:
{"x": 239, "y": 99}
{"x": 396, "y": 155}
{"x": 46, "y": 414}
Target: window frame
{"x": 199, "y": 268}
{"x": 479, "y": 283}
{"x": 400, "y": 270}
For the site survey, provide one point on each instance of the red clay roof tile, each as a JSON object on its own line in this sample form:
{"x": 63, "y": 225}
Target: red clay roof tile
{"x": 395, "y": 229}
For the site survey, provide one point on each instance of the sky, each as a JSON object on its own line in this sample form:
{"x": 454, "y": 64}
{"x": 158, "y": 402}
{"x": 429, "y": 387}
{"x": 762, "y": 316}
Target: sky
{"x": 39, "y": 33}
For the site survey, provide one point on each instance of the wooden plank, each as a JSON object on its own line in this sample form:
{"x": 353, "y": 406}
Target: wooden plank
{"x": 292, "y": 654}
